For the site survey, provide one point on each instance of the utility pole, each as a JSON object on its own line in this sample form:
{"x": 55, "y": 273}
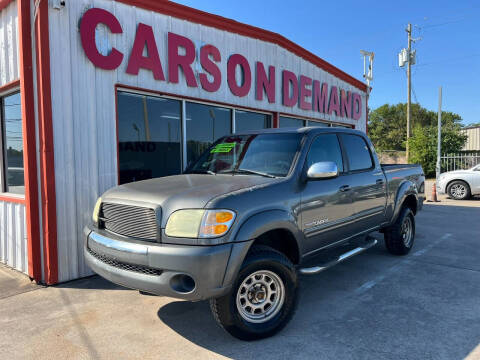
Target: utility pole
{"x": 439, "y": 137}
{"x": 409, "y": 85}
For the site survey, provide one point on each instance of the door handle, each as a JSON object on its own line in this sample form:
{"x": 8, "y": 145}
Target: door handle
{"x": 380, "y": 182}
{"x": 345, "y": 188}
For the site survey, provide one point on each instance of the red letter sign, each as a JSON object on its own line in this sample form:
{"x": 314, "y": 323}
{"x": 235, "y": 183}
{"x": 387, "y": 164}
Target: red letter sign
{"x": 305, "y": 92}
{"x": 290, "y": 78}
{"x": 346, "y": 103}
{"x": 144, "y": 37}
{"x": 334, "y": 104}
{"x": 320, "y": 97}
{"x": 357, "y": 106}
{"x": 265, "y": 83}
{"x": 209, "y": 66}
{"x": 90, "y": 20}
{"x": 237, "y": 59}
{"x": 184, "y": 61}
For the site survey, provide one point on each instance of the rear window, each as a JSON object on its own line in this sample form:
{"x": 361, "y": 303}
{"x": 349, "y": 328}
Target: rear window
{"x": 358, "y": 153}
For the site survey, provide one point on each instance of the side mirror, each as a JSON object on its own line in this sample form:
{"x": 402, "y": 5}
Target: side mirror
{"x": 322, "y": 170}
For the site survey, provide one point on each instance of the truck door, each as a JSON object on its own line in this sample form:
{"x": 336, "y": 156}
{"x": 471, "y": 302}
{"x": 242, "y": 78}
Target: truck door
{"x": 326, "y": 207}
{"x": 368, "y": 183}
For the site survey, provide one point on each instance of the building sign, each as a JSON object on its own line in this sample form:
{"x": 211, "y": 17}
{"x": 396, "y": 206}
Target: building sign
{"x": 297, "y": 90}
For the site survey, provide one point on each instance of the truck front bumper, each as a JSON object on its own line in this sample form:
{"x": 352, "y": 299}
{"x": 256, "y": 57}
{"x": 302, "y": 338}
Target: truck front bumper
{"x": 179, "y": 271}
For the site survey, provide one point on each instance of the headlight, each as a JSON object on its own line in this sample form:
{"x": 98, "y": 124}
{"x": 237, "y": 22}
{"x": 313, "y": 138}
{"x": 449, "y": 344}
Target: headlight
{"x": 197, "y": 223}
{"x": 96, "y": 210}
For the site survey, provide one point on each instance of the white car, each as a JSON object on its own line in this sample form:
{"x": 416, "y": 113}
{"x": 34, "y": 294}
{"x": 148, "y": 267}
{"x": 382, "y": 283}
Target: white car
{"x": 460, "y": 184}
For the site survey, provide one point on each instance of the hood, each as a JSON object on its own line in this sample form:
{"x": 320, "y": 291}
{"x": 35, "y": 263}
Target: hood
{"x": 456, "y": 172}
{"x": 187, "y": 191}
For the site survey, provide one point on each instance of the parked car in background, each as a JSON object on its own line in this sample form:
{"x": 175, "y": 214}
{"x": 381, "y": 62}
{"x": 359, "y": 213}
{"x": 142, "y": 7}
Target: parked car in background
{"x": 460, "y": 184}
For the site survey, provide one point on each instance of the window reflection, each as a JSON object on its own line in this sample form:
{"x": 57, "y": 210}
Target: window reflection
{"x": 291, "y": 122}
{"x": 204, "y": 125}
{"x": 149, "y": 135}
{"x": 12, "y": 115}
{"x": 247, "y": 120}
{"x": 317, "y": 124}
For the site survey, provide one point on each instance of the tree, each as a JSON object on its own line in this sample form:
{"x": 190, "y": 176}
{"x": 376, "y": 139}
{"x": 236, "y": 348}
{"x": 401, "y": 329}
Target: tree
{"x": 423, "y": 145}
{"x": 387, "y": 125}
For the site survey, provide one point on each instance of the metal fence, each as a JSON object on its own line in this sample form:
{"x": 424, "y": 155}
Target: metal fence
{"x": 450, "y": 162}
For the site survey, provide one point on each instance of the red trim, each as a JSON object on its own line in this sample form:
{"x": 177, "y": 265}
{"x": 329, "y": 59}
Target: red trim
{"x": 29, "y": 142}
{"x": 232, "y": 26}
{"x": 4, "y": 4}
{"x": 10, "y": 86}
{"x": 366, "y": 115}
{"x": 47, "y": 161}
{"x": 276, "y": 120}
{"x": 12, "y": 199}
{"x": 118, "y": 138}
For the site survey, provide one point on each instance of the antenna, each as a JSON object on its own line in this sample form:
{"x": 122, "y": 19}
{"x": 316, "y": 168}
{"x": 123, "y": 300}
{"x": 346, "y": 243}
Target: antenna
{"x": 367, "y": 72}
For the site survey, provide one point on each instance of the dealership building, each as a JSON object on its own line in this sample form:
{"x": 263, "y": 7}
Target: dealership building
{"x": 96, "y": 93}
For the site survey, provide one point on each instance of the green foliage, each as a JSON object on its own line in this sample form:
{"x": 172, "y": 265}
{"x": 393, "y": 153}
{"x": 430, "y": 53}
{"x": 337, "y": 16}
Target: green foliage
{"x": 387, "y": 125}
{"x": 423, "y": 145}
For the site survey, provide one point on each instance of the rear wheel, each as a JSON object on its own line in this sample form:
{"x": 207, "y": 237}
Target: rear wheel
{"x": 458, "y": 190}
{"x": 262, "y": 299}
{"x": 400, "y": 236}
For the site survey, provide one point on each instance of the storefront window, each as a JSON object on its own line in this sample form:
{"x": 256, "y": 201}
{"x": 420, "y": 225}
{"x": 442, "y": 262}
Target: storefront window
{"x": 149, "y": 135}
{"x": 247, "y": 120}
{"x": 291, "y": 122}
{"x": 14, "y": 180}
{"x": 204, "y": 125}
{"x": 341, "y": 126}
{"x": 317, "y": 124}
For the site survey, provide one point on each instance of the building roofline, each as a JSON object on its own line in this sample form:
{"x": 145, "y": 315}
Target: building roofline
{"x": 222, "y": 23}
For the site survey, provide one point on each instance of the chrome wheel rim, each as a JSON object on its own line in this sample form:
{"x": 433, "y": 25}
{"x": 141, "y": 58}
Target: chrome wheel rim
{"x": 458, "y": 191}
{"x": 407, "y": 231}
{"x": 260, "y": 296}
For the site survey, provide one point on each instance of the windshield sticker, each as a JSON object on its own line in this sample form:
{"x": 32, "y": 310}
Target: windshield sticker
{"x": 223, "y": 148}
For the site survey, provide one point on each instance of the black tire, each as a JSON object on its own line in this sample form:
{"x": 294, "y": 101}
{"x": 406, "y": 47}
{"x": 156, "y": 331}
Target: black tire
{"x": 395, "y": 236}
{"x": 458, "y": 190}
{"x": 266, "y": 260}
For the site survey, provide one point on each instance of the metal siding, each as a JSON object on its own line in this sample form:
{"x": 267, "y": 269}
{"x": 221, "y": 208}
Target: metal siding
{"x": 9, "y": 60}
{"x": 473, "y": 139}
{"x": 13, "y": 236}
{"x": 83, "y": 104}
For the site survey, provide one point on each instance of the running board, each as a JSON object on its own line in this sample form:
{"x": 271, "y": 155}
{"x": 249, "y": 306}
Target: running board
{"x": 317, "y": 269}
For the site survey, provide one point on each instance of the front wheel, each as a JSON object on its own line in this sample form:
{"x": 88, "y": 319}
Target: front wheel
{"x": 262, "y": 299}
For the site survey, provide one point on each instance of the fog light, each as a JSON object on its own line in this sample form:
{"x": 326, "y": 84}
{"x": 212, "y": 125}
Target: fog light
{"x": 182, "y": 283}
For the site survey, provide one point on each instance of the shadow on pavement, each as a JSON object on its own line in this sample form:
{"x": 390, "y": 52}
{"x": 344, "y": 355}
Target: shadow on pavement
{"x": 93, "y": 282}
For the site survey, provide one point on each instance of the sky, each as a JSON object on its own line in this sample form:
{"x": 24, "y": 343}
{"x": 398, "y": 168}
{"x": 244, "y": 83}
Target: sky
{"x": 448, "y": 53}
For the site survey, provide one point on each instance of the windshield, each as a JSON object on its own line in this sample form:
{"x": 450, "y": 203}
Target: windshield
{"x": 259, "y": 154}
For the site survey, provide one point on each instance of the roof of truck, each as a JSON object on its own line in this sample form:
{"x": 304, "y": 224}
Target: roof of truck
{"x": 301, "y": 130}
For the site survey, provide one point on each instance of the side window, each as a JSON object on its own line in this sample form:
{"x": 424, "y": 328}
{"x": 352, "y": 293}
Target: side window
{"x": 358, "y": 154}
{"x": 325, "y": 148}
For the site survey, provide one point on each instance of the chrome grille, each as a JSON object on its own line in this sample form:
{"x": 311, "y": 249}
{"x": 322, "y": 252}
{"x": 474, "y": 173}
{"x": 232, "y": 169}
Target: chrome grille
{"x": 134, "y": 221}
{"x": 124, "y": 266}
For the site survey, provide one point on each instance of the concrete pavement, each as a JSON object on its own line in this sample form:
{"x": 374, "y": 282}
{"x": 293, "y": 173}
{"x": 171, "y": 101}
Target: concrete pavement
{"x": 425, "y": 305}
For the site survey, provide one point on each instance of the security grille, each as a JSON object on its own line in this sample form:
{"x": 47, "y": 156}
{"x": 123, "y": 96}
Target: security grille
{"x": 124, "y": 266}
{"x": 133, "y": 221}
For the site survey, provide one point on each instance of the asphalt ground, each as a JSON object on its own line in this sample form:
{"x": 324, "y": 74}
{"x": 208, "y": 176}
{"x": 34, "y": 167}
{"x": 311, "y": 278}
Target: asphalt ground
{"x": 425, "y": 305}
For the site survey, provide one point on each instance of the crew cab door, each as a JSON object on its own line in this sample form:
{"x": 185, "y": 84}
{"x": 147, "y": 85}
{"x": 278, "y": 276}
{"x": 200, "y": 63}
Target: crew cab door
{"x": 368, "y": 185}
{"x": 326, "y": 204}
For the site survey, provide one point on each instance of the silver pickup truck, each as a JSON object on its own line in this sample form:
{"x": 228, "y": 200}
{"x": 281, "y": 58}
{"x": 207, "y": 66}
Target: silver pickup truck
{"x": 252, "y": 213}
